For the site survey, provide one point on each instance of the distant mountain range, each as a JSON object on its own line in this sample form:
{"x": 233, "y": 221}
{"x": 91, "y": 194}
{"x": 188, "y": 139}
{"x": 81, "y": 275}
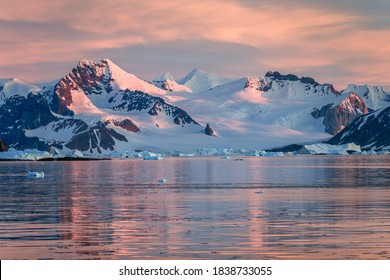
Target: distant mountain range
{"x": 99, "y": 108}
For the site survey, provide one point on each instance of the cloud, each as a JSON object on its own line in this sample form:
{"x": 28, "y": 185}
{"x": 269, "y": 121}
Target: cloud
{"x": 306, "y": 35}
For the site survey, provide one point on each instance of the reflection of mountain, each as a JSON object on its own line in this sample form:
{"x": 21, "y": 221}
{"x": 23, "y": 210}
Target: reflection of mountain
{"x": 99, "y": 108}
{"x": 275, "y": 209}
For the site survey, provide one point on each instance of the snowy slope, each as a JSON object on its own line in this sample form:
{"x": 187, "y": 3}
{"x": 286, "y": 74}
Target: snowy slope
{"x": 199, "y": 81}
{"x": 242, "y": 113}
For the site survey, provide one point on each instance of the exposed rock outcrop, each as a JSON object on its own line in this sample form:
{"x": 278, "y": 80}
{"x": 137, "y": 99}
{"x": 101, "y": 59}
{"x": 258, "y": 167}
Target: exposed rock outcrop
{"x": 369, "y": 131}
{"x": 95, "y": 139}
{"x": 126, "y": 124}
{"x": 209, "y": 131}
{"x": 3, "y": 146}
{"x": 339, "y": 116}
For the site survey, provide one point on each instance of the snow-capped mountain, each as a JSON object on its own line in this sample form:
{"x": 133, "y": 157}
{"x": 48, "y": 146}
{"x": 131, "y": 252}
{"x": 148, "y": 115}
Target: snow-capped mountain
{"x": 374, "y": 97}
{"x": 294, "y": 88}
{"x": 10, "y": 87}
{"x": 370, "y": 131}
{"x": 199, "y": 81}
{"x": 167, "y": 82}
{"x": 98, "y": 107}
{"x": 273, "y": 110}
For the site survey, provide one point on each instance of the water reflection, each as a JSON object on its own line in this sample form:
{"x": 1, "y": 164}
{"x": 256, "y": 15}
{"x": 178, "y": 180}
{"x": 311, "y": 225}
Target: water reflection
{"x": 259, "y": 208}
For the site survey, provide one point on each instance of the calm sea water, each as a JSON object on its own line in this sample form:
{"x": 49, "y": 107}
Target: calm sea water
{"x": 309, "y": 207}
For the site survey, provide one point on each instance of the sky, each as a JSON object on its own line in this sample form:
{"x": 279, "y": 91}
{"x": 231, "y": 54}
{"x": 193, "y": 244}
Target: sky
{"x": 334, "y": 41}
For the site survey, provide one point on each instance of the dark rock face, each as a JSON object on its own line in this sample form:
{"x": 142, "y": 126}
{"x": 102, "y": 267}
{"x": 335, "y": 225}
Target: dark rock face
{"x": 370, "y": 131}
{"x": 290, "y": 77}
{"x": 89, "y": 77}
{"x": 165, "y": 85}
{"x": 28, "y": 113}
{"x": 209, "y": 131}
{"x": 338, "y": 117}
{"x": 95, "y": 138}
{"x": 125, "y": 124}
{"x": 287, "y": 149}
{"x": 139, "y": 101}
{"x": 3, "y": 146}
{"x": 92, "y": 79}
{"x": 283, "y": 80}
{"x": 20, "y": 113}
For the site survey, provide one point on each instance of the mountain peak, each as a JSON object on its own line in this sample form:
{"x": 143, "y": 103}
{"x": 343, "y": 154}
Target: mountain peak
{"x": 165, "y": 77}
{"x": 85, "y": 62}
{"x": 12, "y": 86}
{"x": 199, "y": 81}
{"x": 374, "y": 96}
{"x": 102, "y": 63}
{"x": 196, "y": 71}
{"x": 290, "y": 77}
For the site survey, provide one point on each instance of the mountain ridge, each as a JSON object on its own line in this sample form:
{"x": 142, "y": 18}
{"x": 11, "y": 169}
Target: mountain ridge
{"x": 98, "y": 107}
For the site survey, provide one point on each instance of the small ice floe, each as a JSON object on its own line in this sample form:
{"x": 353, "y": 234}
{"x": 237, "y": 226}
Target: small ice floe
{"x": 238, "y": 159}
{"x": 163, "y": 180}
{"x": 225, "y": 157}
{"x": 260, "y": 192}
{"x": 156, "y": 157}
{"x": 36, "y": 174}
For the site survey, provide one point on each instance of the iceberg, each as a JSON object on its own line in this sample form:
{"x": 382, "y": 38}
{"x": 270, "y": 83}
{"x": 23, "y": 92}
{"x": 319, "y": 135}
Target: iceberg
{"x": 327, "y": 149}
{"x": 146, "y": 155}
{"x": 36, "y": 174}
{"x": 271, "y": 154}
{"x": 29, "y": 154}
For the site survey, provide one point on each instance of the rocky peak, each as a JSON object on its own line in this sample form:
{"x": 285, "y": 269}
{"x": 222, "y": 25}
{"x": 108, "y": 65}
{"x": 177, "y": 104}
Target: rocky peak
{"x": 289, "y": 77}
{"x": 374, "y": 96}
{"x": 336, "y": 117}
{"x": 209, "y": 131}
{"x": 256, "y": 83}
{"x": 88, "y": 76}
{"x": 294, "y": 87}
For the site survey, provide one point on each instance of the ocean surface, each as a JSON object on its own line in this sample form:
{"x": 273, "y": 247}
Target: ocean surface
{"x": 304, "y": 207}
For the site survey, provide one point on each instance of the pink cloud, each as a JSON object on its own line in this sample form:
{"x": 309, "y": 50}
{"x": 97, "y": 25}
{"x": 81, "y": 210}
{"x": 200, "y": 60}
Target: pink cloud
{"x": 295, "y": 37}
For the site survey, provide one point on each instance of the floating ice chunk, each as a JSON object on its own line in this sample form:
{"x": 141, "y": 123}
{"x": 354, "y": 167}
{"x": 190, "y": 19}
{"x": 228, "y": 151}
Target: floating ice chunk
{"x": 163, "y": 180}
{"x": 146, "y": 155}
{"x": 36, "y": 174}
{"x": 327, "y": 149}
{"x": 207, "y": 152}
{"x": 225, "y": 157}
{"x": 154, "y": 157}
